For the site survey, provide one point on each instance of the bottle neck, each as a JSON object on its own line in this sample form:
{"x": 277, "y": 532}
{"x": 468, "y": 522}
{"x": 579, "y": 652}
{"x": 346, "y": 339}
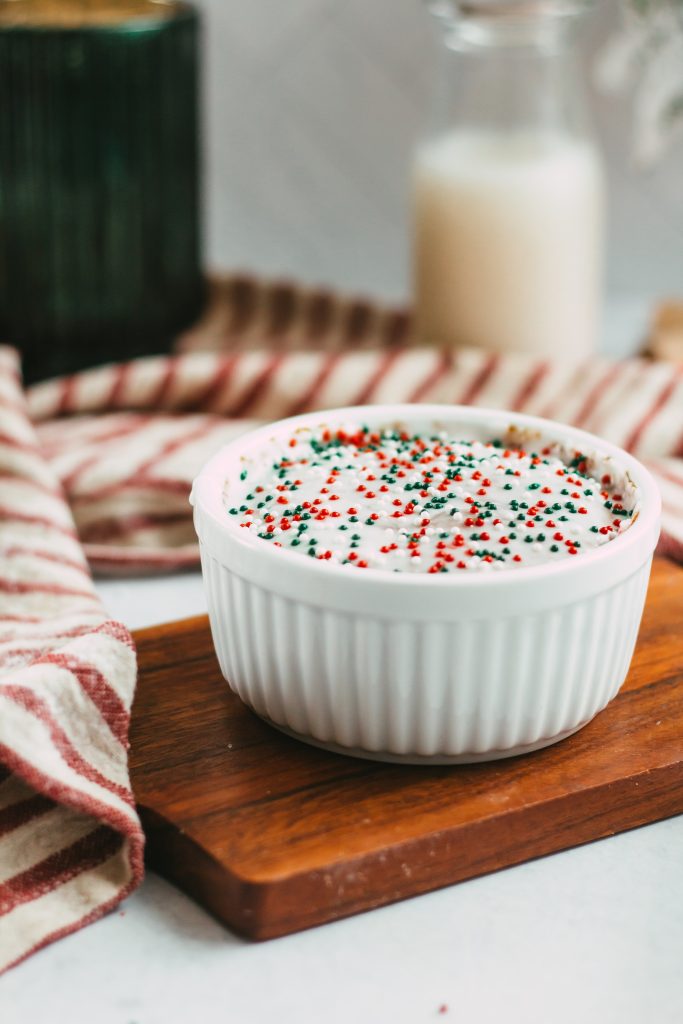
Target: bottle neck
{"x": 547, "y": 25}
{"x": 510, "y": 74}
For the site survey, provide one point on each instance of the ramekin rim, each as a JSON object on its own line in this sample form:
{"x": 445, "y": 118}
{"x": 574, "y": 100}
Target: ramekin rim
{"x": 213, "y": 477}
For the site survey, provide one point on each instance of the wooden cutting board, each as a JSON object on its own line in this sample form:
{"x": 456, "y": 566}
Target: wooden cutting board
{"x": 273, "y": 836}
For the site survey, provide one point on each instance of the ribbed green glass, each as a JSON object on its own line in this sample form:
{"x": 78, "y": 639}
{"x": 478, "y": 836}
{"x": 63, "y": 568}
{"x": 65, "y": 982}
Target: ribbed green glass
{"x": 99, "y": 217}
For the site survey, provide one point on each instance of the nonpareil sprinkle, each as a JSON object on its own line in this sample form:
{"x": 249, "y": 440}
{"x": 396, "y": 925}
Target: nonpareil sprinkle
{"x": 386, "y": 498}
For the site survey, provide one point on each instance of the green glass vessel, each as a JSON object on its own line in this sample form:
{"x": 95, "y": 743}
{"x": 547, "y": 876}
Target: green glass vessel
{"x": 99, "y": 179}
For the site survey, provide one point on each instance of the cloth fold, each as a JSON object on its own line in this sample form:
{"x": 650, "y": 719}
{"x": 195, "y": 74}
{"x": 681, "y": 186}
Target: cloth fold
{"x": 70, "y": 839}
{"x": 127, "y": 440}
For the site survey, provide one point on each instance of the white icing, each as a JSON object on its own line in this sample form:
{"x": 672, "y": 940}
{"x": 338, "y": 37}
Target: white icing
{"x": 469, "y": 515}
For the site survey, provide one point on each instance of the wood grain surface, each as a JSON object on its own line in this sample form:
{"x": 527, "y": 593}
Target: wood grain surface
{"x": 273, "y": 836}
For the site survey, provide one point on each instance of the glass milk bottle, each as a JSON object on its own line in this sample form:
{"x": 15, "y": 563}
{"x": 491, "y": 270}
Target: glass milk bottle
{"x": 508, "y": 185}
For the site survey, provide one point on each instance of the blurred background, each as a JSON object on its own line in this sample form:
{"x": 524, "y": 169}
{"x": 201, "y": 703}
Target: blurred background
{"x": 311, "y": 112}
{"x": 307, "y": 120}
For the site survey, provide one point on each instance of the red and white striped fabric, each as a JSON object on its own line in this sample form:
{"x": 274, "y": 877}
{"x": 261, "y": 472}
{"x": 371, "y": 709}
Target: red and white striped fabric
{"x": 70, "y": 840}
{"x": 127, "y": 440}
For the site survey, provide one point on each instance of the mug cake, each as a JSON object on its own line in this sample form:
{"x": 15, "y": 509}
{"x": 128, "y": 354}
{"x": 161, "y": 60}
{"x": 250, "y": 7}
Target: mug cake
{"x": 425, "y": 583}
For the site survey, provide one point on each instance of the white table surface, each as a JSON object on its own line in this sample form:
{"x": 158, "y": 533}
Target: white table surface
{"x": 591, "y": 934}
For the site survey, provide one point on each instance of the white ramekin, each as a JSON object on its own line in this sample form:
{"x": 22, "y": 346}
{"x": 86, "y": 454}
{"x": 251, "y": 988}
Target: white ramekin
{"x": 412, "y": 667}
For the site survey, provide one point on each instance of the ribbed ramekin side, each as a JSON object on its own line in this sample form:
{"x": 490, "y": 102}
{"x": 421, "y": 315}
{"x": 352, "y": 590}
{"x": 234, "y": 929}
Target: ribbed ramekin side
{"x": 339, "y": 692}
{"x": 238, "y": 651}
{"x": 215, "y": 577}
{"x": 422, "y": 689}
{"x": 635, "y": 594}
{"x": 604, "y": 630}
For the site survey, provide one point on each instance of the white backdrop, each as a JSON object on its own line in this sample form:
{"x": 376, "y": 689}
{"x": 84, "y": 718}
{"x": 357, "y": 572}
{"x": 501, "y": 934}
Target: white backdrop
{"x": 311, "y": 111}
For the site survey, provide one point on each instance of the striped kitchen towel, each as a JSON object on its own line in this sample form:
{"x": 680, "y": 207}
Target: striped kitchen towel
{"x": 70, "y": 840}
{"x": 127, "y": 440}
